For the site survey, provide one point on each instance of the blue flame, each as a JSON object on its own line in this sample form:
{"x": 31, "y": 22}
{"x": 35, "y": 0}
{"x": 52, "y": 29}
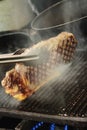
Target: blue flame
{"x": 66, "y": 127}
{"x": 37, "y": 125}
{"x": 52, "y": 126}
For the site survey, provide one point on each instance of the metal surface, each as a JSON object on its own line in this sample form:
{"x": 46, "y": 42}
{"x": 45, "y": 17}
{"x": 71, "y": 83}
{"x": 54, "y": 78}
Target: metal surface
{"x": 18, "y": 58}
{"x": 12, "y": 41}
{"x": 7, "y": 123}
{"x": 65, "y": 9}
{"x": 67, "y": 15}
{"x": 14, "y": 15}
{"x": 18, "y": 55}
{"x": 63, "y": 100}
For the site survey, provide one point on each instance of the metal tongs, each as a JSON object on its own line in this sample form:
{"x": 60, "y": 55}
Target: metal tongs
{"x": 17, "y": 57}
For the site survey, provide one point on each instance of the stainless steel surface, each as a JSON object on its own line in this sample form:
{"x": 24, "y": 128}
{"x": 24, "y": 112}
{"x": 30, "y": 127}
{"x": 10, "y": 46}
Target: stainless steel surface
{"x": 19, "y": 59}
{"x": 14, "y": 14}
{"x": 16, "y": 57}
{"x": 67, "y": 15}
{"x": 60, "y": 14}
{"x": 12, "y": 41}
{"x": 17, "y": 52}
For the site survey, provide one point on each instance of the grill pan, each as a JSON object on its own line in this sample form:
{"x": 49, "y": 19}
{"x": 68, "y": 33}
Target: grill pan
{"x": 63, "y": 100}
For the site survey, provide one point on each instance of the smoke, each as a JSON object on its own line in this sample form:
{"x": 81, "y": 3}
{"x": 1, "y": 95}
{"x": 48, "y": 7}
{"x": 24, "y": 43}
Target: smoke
{"x": 57, "y": 83}
{"x": 75, "y": 19}
{"x": 71, "y": 11}
{"x": 66, "y": 15}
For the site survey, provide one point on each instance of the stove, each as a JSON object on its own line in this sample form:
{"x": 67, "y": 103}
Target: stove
{"x": 8, "y": 123}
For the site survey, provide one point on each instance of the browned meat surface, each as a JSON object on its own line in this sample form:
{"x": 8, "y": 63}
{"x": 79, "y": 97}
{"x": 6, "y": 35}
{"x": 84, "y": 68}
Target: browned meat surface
{"x": 17, "y": 83}
{"x": 22, "y": 81}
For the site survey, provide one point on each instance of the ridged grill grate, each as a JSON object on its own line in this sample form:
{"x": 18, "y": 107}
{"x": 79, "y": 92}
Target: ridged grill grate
{"x": 65, "y": 96}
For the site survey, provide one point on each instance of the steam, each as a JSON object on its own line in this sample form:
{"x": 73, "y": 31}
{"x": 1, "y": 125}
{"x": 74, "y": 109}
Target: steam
{"x": 75, "y": 17}
{"x": 61, "y": 69}
{"x": 70, "y": 16}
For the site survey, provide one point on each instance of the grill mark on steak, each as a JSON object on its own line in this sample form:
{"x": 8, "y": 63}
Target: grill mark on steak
{"x": 53, "y": 51}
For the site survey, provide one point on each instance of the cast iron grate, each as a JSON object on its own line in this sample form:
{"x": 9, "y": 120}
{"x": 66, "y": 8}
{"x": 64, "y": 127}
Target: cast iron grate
{"x": 66, "y": 96}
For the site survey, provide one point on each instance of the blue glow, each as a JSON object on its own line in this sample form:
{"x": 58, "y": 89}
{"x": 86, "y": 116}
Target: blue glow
{"x": 33, "y": 128}
{"x": 42, "y": 123}
{"x": 66, "y": 127}
{"x": 37, "y": 125}
{"x": 52, "y": 127}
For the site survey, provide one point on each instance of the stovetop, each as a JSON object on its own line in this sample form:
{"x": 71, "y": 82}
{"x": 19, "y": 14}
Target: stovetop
{"x": 8, "y": 123}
